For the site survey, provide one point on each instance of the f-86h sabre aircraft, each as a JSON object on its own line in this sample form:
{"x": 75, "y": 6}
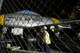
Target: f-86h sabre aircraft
{"x": 27, "y": 19}
{"x": 30, "y": 19}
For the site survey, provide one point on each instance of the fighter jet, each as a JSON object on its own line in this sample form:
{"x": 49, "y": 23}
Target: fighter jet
{"x": 26, "y": 19}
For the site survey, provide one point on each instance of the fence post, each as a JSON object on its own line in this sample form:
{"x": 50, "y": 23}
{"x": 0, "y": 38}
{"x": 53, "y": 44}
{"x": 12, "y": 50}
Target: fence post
{"x": 1, "y": 1}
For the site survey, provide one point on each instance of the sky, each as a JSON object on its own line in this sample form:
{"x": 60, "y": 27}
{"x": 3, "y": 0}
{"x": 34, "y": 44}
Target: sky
{"x": 49, "y": 8}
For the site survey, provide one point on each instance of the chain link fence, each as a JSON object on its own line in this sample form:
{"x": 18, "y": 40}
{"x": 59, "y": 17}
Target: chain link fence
{"x": 39, "y": 26}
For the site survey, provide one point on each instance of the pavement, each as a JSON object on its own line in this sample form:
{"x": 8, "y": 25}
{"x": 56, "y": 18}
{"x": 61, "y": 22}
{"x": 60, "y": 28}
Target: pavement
{"x": 26, "y": 51}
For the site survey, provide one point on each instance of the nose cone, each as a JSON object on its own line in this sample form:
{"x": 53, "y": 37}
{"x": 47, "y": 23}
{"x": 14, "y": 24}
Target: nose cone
{"x": 1, "y": 19}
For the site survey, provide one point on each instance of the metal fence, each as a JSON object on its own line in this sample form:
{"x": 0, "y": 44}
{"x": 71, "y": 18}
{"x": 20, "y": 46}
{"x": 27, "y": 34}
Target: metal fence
{"x": 22, "y": 25}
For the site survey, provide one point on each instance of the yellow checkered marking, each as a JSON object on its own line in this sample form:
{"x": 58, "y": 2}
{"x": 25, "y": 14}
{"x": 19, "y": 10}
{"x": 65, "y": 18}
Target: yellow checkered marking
{"x": 56, "y": 21}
